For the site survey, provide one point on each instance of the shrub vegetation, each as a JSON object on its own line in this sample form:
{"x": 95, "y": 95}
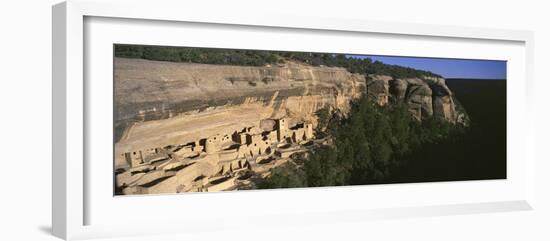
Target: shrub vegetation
{"x": 371, "y": 145}
{"x": 262, "y": 58}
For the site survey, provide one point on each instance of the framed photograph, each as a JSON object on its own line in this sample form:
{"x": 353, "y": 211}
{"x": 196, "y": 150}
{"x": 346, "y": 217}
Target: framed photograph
{"x": 180, "y": 121}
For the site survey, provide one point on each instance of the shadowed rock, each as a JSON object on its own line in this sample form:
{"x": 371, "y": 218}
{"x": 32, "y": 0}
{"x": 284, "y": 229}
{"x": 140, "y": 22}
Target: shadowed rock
{"x": 426, "y": 97}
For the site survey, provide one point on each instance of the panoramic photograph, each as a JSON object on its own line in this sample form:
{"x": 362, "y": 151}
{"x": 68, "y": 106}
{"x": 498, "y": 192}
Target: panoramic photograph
{"x": 190, "y": 119}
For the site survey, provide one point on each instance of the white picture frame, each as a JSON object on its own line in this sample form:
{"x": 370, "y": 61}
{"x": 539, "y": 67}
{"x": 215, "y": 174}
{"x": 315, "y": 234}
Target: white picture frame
{"x": 73, "y": 191}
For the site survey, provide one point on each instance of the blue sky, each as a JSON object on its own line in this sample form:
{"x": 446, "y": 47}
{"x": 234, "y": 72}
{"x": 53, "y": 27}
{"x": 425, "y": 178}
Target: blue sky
{"x": 448, "y": 68}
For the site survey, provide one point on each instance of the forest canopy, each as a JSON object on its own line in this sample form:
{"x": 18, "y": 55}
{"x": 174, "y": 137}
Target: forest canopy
{"x": 373, "y": 144}
{"x": 263, "y": 57}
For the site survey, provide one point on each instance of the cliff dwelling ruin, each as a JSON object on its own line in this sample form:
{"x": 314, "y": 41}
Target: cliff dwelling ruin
{"x": 185, "y": 127}
{"x": 215, "y": 163}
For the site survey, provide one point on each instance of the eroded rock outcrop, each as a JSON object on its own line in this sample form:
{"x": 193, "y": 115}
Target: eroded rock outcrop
{"x": 426, "y": 97}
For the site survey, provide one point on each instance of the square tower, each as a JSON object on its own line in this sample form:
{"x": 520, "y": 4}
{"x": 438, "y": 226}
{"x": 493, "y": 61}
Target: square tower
{"x": 282, "y": 129}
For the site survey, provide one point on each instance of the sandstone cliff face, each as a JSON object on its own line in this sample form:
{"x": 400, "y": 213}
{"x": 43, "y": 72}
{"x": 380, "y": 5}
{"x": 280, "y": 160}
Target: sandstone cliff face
{"x": 161, "y": 103}
{"x": 149, "y": 90}
{"x": 426, "y": 97}
{"x": 156, "y": 90}
{"x": 153, "y": 90}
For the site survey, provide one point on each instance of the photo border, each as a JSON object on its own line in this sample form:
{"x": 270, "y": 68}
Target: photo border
{"x": 68, "y": 115}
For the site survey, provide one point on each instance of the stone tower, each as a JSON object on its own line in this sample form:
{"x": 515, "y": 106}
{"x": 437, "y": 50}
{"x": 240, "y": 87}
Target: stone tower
{"x": 212, "y": 144}
{"x": 133, "y": 158}
{"x": 282, "y": 129}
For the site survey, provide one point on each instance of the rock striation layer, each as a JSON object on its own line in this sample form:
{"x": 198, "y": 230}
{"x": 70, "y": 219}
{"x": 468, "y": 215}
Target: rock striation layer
{"x": 154, "y": 89}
